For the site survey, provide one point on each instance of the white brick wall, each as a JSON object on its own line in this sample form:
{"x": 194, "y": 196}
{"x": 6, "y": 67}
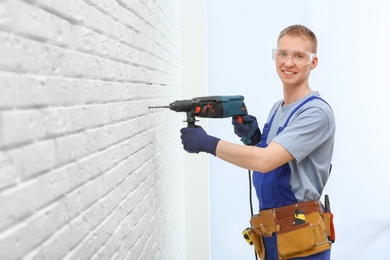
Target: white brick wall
{"x": 87, "y": 171}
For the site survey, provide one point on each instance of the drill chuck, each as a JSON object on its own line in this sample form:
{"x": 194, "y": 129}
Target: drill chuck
{"x": 182, "y": 105}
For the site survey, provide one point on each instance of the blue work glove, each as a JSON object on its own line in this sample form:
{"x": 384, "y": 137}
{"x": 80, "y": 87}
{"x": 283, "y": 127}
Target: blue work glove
{"x": 196, "y": 140}
{"x": 248, "y": 130}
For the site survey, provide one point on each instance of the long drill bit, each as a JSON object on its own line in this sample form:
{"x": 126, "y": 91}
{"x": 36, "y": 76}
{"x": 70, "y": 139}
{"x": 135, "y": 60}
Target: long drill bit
{"x": 153, "y": 107}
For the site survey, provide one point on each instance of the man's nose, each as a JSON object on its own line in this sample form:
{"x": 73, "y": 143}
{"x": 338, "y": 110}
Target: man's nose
{"x": 289, "y": 62}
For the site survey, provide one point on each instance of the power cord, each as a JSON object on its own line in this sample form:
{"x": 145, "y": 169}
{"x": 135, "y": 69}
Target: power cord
{"x": 250, "y": 201}
{"x": 250, "y": 191}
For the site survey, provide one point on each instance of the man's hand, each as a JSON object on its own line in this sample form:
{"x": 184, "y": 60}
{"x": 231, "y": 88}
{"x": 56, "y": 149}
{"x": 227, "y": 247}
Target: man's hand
{"x": 248, "y": 130}
{"x": 196, "y": 140}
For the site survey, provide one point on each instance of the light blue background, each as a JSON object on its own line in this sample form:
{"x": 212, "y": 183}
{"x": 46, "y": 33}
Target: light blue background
{"x": 353, "y": 75}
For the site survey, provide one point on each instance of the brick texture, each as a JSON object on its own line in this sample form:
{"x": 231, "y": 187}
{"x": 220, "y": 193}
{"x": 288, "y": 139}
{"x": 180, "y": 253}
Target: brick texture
{"x": 87, "y": 171}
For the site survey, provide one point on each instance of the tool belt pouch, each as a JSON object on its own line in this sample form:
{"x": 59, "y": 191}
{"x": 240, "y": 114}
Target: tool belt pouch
{"x": 263, "y": 225}
{"x": 258, "y": 243}
{"x": 302, "y": 240}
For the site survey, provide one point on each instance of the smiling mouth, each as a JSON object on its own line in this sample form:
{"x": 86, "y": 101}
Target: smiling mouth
{"x": 289, "y": 72}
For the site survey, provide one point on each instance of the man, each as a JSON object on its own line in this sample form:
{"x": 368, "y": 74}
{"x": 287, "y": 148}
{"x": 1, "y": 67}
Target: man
{"x": 292, "y": 163}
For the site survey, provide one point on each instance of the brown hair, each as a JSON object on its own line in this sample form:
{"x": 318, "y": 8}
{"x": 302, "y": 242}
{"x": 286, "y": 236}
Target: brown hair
{"x": 301, "y": 31}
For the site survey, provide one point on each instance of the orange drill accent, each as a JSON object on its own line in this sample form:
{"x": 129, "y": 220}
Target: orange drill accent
{"x": 210, "y": 107}
{"x": 197, "y": 110}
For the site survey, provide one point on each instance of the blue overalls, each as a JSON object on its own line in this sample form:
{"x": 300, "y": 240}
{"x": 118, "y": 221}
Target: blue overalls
{"x": 273, "y": 189}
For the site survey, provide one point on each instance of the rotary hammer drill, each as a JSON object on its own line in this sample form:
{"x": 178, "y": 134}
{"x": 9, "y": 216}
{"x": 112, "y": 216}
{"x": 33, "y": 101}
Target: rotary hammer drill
{"x": 210, "y": 107}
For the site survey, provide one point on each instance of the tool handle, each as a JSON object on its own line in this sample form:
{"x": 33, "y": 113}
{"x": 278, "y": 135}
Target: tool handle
{"x": 191, "y": 120}
{"x": 191, "y": 124}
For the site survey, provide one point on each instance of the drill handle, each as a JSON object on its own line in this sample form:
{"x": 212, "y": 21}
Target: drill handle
{"x": 190, "y": 120}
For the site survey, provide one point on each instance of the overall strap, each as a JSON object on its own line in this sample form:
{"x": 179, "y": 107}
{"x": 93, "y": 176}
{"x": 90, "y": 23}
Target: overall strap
{"x": 301, "y": 105}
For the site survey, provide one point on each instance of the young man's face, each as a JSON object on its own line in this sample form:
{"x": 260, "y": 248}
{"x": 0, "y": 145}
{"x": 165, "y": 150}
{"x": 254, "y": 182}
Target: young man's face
{"x": 290, "y": 73}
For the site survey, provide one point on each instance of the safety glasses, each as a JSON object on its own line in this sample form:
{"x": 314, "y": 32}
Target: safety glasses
{"x": 297, "y": 57}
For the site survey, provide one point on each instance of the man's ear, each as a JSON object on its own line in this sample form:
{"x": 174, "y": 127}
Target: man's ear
{"x": 314, "y": 63}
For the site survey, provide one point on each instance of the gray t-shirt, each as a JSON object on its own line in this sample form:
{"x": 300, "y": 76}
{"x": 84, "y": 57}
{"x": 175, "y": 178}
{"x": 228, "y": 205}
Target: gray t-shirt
{"x": 309, "y": 137}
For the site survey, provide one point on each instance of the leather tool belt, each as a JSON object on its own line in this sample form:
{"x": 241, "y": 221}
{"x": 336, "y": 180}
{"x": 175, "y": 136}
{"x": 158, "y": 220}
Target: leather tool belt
{"x": 296, "y": 237}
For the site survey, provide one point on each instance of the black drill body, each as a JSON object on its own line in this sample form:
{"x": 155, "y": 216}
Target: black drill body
{"x": 210, "y": 107}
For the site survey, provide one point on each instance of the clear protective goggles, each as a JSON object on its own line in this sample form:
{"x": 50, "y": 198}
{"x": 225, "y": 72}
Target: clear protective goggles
{"x": 297, "y": 57}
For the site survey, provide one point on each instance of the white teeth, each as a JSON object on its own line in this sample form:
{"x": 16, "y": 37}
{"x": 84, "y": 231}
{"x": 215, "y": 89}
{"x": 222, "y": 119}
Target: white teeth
{"x": 289, "y": 72}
